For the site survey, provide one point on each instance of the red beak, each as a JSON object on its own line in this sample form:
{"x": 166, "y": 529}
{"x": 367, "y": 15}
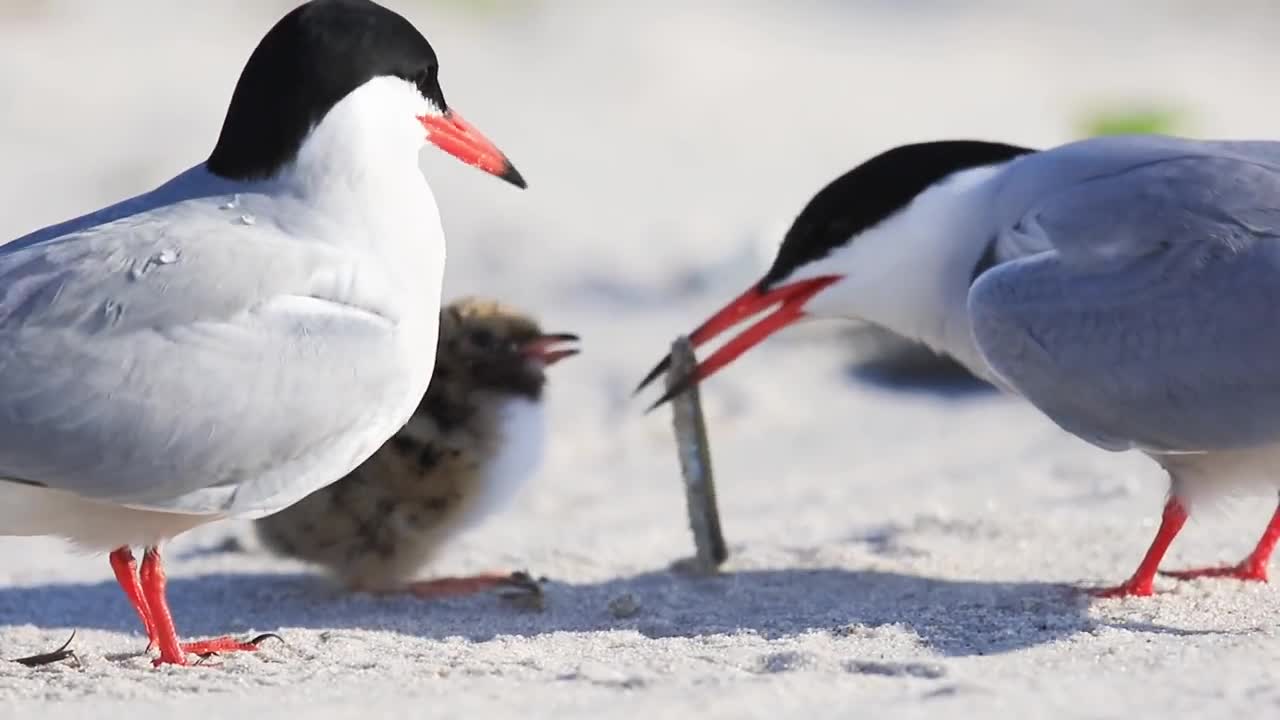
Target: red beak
{"x": 544, "y": 348}
{"x": 790, "y": 300}
{"x": 456, "y": 136}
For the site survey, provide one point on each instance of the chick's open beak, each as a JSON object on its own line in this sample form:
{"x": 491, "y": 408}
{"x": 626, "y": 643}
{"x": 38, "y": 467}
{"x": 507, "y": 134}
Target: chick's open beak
{"x": 551, "y": 348}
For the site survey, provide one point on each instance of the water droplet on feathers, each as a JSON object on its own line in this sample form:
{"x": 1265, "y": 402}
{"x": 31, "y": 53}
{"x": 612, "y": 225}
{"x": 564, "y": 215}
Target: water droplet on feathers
{"x": 164, "y": 257}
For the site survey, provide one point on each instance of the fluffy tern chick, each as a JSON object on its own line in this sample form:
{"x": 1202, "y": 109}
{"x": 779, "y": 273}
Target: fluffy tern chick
{"x": 476, "y": 436}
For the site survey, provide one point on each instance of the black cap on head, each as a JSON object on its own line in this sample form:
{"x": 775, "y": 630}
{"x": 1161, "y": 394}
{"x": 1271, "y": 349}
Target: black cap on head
{"x": 311, "y": 59}
{"x": 874, "y": 191}
{"x": 860, "y": 199}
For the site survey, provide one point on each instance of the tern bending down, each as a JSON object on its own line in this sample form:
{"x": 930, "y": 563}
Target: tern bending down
{"x": 1128, "y": 287}
{"x": 248, "y": 332}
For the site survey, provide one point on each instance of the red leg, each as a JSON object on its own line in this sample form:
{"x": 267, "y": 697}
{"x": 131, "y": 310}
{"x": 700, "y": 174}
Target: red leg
{"x": 1253, "y": 567}
{"x": 172, "y": 651}
{"x": 1143, "y": 580}
{"x": 126, "y": 570}
{"x": 153, "y": 587}
{"x": 468, "y": 585}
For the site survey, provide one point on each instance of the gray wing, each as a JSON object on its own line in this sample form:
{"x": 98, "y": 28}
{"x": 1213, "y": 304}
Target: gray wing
{"x": 1152, "y": 321}
{"x": 176, "y": 365}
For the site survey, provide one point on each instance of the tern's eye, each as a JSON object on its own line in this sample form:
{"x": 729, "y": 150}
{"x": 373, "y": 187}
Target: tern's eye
{"x": 425, "y": 80}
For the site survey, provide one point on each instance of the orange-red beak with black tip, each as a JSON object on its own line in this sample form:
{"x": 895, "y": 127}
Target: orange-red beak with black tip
{"x": 459, "y": 138}
{"x": 549, "y": 349}
{"x": 789, "y": 298}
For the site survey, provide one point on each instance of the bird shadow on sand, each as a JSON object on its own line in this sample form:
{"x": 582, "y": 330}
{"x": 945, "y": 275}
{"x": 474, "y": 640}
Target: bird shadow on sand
{"x": 918, "y": 370}
{"x": 955, "y": 618}
{"x": 945, "y": 379}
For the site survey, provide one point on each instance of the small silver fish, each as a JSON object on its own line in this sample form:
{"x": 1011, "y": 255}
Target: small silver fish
{"x": 695, "y": 463}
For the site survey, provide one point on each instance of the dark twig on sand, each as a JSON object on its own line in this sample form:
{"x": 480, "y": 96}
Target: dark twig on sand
{"x": 49, "y": 658}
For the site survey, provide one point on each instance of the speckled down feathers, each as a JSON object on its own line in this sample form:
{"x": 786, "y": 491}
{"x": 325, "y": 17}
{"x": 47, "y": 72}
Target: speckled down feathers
{"x": 377, "y": 527}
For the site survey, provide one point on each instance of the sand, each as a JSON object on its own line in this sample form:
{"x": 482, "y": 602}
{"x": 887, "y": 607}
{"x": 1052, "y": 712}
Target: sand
{"x": 902, "y": 544}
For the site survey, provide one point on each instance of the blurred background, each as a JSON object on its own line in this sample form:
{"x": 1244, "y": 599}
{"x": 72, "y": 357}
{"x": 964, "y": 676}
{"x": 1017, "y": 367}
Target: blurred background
{"x": 667, "y": 145}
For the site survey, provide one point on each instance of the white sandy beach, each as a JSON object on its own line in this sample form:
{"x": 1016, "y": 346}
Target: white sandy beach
{"x": 900, "y": 546}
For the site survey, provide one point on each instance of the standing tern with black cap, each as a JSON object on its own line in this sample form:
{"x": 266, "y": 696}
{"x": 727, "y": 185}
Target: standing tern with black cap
{"x": 1128, "y": 287}
{"x": 249, "y": 331}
